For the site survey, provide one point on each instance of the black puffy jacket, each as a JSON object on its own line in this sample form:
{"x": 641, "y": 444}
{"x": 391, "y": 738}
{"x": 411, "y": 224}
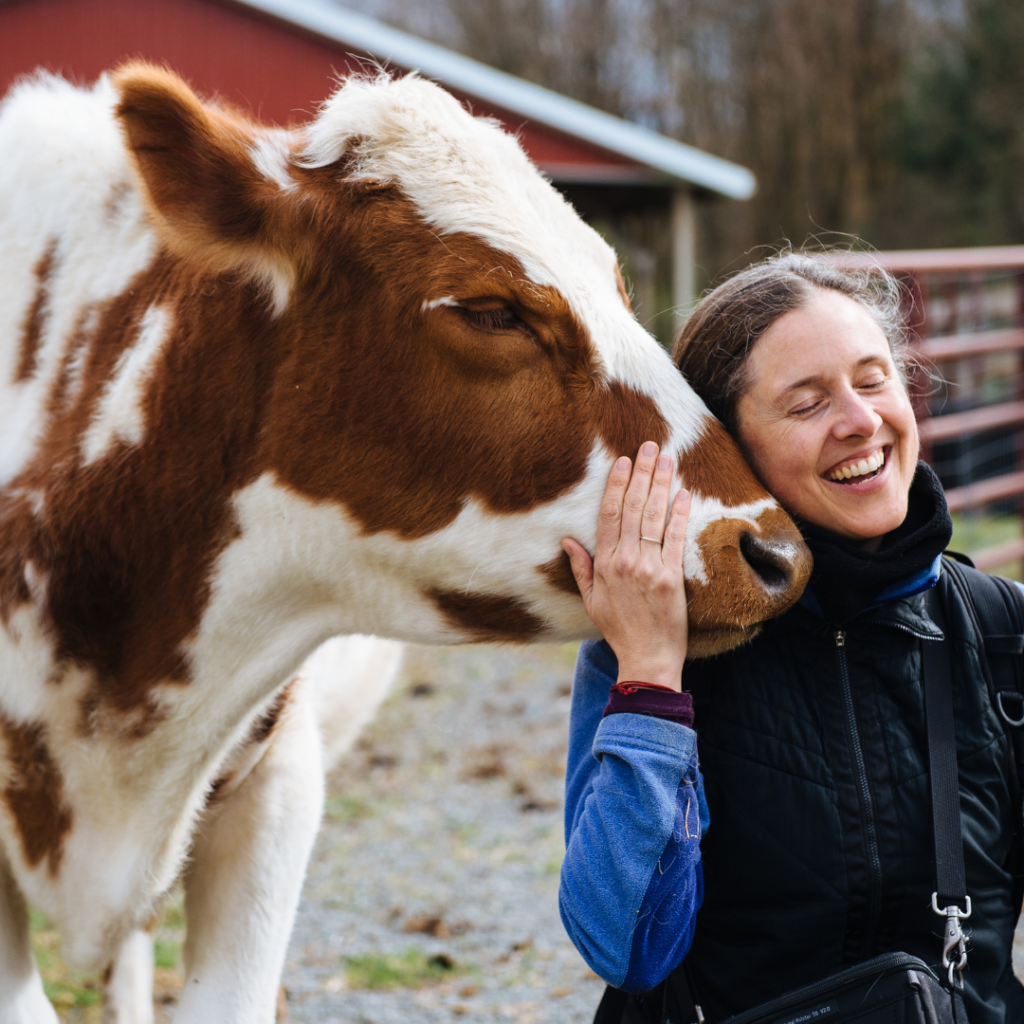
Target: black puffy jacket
{"x": 814, "y": 755}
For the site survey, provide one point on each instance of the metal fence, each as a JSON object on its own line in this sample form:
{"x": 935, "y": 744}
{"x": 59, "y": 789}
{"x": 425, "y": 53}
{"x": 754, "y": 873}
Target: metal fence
{"x": 965, "y": 308}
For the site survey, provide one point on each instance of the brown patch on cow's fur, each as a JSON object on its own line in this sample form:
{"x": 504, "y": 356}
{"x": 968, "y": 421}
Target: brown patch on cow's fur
{"x": 703, "y": 468}
{"x": 558, "y": 572}
{"x": 487, "y": 616}
{"x": 74, "y": 351}
{"x": 15, "y": 538}
{"x": 35, "y": 318}
{"x": 34, "y": 794}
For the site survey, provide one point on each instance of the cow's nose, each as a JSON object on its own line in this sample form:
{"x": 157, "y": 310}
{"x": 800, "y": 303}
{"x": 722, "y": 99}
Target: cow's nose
{"x": 779, "y": 559}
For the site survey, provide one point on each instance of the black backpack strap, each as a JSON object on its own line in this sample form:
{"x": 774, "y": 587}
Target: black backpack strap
{"x": 996, "y": 608}
{"x": 950, "y": 899}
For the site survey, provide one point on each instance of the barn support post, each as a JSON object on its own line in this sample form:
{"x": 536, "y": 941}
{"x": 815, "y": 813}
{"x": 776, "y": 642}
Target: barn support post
{"x": 684, "y": 254}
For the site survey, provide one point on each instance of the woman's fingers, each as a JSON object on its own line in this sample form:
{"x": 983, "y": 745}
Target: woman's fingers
{"x": 652, "y": 525}
{"x": 582, "y": 569}
{"x": 609, "y": 523}
{"x": 675, "y": 532}
{"x": 637, "y": 493}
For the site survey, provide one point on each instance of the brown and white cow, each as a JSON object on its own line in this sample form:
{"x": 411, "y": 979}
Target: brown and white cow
{"x": 259, "y": 388}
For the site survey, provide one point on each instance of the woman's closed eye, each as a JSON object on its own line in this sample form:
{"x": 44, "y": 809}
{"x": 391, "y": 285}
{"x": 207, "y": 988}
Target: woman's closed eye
{"x": 495, "y": 321}
{"x": 805, "y": 408}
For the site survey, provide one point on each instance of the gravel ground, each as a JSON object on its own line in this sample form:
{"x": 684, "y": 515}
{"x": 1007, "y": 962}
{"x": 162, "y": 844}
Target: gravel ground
{"x": 442, "y": 842}
{"x": 442, "y": 839}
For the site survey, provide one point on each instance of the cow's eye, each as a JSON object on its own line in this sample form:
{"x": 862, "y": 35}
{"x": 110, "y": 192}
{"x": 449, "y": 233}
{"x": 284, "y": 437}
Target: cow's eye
{"x": 495, "y": 321}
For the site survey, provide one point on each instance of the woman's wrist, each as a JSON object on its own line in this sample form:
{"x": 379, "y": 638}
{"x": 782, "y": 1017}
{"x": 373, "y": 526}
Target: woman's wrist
{"x": 668, "y": 674}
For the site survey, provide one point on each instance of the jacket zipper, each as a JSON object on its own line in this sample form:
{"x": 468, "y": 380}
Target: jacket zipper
{"x": 867, "y": 804}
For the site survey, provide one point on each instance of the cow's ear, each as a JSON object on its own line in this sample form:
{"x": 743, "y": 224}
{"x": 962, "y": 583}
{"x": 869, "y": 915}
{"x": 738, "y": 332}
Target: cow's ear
{"x": 197, "y": 167}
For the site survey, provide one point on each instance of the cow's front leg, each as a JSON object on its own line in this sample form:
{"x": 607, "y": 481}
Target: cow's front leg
{"x": 22, "y": 1000}
{"x": 246, "y": 872}
{"x": 128, "y": 985}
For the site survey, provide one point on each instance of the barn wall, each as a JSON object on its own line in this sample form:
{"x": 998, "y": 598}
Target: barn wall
{"x": 277, "y": 70}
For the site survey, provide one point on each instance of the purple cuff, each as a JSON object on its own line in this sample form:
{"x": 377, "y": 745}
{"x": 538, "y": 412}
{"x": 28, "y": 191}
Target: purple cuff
{"x": 667, "y": 704}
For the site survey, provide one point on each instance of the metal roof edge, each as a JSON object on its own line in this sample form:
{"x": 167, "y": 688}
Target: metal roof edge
{"x": 990, "y": 257}
{"x": 533, "y": 102}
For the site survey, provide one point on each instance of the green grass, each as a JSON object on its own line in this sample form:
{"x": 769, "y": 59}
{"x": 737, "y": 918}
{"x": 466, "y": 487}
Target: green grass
{"x": 973, "y": 532}
{"x": 346, "y": 808}
{"x": 412, "y": 969}
{"x": 167, "y": 953}
{"x": 76, "y": 995}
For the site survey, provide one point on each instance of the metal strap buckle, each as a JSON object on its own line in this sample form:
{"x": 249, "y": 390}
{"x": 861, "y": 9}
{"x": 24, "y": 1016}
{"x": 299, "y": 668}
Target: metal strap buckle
{"x": 953, "y": 940}
{"x": 1015, "y": 722}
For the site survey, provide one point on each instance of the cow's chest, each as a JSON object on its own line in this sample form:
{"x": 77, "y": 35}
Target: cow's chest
{"x": 97, "y": 809}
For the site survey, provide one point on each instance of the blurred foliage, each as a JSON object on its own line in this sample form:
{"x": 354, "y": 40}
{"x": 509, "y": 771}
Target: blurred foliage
{"x": 956, "y": 138}
{"x": 897, "y": 121}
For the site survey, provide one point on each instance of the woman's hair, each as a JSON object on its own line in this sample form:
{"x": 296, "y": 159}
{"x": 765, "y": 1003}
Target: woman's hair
{"x": 712, "y": 348}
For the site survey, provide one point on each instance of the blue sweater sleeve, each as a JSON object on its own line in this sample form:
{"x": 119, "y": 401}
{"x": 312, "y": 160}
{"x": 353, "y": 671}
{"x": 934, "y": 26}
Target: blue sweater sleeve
{"x": 631, "y": 880}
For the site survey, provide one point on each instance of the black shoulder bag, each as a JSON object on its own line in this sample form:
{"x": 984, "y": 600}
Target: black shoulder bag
{"x": 887, "y": 988}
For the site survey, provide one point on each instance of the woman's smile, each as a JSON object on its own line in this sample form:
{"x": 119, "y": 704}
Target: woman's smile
{"x": 859, "y": 468}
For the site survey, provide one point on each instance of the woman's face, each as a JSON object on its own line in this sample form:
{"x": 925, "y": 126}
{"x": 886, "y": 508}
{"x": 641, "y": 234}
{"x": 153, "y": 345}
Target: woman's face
{"x": 826, "y": 421}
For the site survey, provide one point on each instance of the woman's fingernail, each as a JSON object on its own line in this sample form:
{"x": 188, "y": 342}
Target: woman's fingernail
{"x": 622, "y": 463}
{"x": 664, "y": 464}
{"x": 649, "y": 448}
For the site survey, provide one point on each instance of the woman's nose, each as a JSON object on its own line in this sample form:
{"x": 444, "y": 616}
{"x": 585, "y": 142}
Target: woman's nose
{"x": 855, "y": 417}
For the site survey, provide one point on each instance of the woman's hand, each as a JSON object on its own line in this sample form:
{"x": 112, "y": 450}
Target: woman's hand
{"x": 633, "y": 587}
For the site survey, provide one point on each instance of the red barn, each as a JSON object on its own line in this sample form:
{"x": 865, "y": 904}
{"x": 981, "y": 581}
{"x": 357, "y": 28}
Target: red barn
{"x": 280, "y": 57}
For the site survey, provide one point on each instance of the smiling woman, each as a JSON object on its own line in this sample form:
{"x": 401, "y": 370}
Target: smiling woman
{"x": 827, "y": 420}
{"x": 812, "y": 749}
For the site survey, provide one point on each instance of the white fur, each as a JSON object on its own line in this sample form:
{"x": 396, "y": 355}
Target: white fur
{"x": 703, "y": 512}
{"x": 64, "y": 175}
{"x": 129, "y": 991}
{"x": 22, "y": 1000}
{"x": 271, "y": 155}
{"x": 119, "y": 416}
{"x": 350, "y": 677}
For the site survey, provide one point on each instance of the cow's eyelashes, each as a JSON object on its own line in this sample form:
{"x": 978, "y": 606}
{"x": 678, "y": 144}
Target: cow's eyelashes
{"x": 495, "y": 321}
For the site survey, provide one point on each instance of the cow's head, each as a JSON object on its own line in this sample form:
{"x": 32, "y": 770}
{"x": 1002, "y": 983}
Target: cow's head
{"x": 459, "y": 365}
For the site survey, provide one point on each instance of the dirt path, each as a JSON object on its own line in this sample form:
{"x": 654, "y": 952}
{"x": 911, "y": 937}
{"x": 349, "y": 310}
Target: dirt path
{"x": 437, "y": 867}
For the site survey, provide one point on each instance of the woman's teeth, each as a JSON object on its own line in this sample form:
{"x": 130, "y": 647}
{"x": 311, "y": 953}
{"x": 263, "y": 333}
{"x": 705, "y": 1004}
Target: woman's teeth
{"x": 852, "y": 469}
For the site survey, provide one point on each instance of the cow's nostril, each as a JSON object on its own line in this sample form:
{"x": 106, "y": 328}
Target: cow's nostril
{"x": 771, "y": 561}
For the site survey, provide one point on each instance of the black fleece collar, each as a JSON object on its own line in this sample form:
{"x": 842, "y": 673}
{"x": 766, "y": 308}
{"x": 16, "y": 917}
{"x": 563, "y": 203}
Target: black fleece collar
{"x": 847, "y": 579}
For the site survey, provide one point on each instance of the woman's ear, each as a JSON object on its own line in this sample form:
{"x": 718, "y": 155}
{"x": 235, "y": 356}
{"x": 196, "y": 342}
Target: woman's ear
{"x": 197, "y": 168}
